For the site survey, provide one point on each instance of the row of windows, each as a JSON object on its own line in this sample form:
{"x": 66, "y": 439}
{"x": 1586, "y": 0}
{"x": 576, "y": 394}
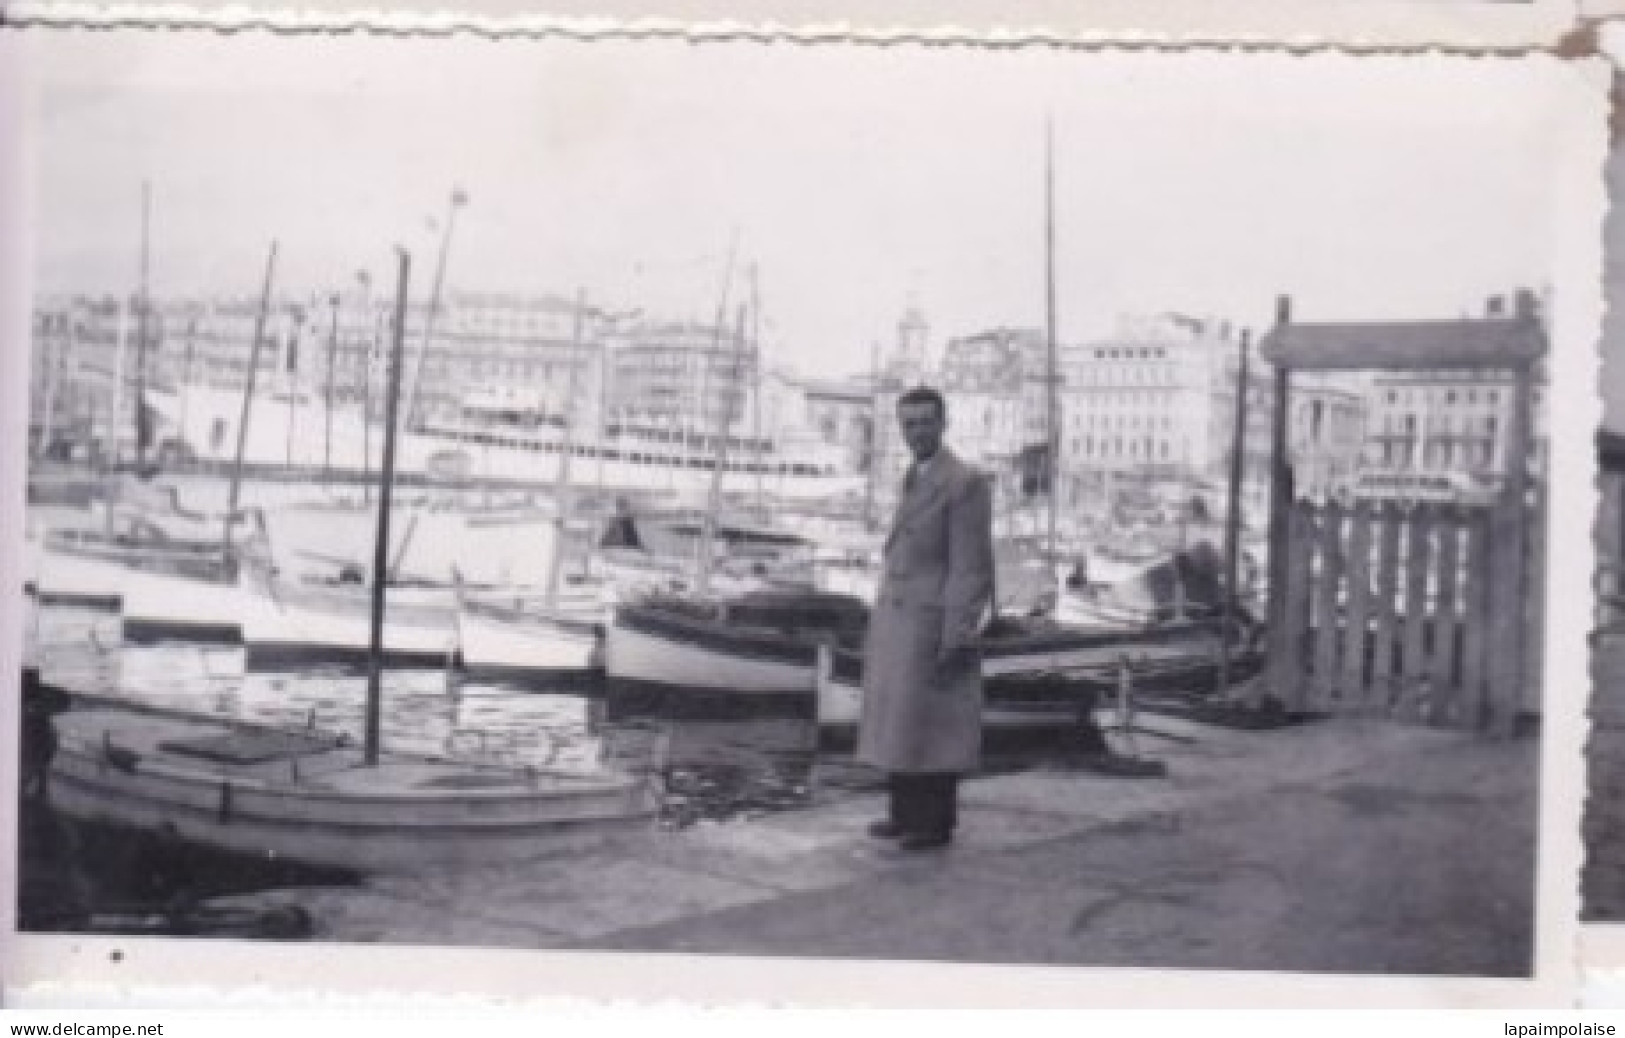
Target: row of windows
{"x": 1163, "y": 376}
{"x": 1121, "y": 421}
{"x": 1485, "y": 425}
{"x": 1472, "y": 455}
{"x": 1118, "y": 447}
{"x": 590, "y": 451}
{"x": 1131, "y": 353}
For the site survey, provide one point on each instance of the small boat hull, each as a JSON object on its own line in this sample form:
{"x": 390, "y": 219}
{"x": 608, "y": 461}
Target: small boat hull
{"x": 516, "y": 645}
{"x": 89, "y": 569}
{"x": 651, "y": 644}
{"x": 74, "y": 579}
{"x": 1016, "y": 693}
{"x": 1007, "y": 705}
{"x": 289, "y": 625}
{"x": 314, "y": 804}
{"x": 168, "y": 607}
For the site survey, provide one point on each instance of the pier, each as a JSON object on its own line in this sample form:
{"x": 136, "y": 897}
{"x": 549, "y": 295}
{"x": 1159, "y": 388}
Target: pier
{"x": 1334, "y": 846}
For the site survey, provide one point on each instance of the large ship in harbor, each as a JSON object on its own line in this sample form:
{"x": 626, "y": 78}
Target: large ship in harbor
{"x": 494, "y": 437}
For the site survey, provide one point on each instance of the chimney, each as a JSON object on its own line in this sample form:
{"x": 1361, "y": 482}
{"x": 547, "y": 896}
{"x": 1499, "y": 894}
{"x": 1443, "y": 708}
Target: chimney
{"x": 1283, "y": 310}
{"x": 1526, "y": 304}
{"x": 1495, "y": 306}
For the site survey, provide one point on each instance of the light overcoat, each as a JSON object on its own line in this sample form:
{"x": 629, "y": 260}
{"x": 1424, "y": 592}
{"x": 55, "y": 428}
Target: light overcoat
{"x": 936, "y": 587}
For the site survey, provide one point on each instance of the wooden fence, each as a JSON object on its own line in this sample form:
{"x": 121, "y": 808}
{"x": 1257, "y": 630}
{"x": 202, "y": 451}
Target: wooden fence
{"x": 1427, "y": 613}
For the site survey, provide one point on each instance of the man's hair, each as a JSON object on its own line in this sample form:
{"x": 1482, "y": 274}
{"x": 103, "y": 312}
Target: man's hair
{"x": 925, "y": 395}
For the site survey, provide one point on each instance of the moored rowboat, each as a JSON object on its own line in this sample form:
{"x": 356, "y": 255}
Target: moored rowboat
{"x": 309, "y": 798}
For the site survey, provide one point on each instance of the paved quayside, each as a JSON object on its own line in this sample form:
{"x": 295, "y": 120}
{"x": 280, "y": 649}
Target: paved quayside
{"x": 1339, "y": 845}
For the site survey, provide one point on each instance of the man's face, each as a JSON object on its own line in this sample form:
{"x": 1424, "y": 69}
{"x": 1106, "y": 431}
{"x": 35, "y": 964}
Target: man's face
{"x": 922, "y": 427}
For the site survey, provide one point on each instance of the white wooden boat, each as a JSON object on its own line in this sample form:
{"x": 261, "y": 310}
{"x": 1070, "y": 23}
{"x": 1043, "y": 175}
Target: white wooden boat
{"x": 760, "y": 644}
{"x": 519, "y": 639}
{"x": 1018, "y": 657}
{"x": 310, "y": 798}
{"x": 1006, "y": 705}
{"x": 288, "y": 623}
{"x": 89, "y": 568}
{"x": 68, "y": 576}
{"x": 167, "y": 606}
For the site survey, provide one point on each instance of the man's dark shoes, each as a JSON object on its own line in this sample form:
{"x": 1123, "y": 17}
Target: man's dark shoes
{"x": 923, "y": 841}
{"x": 885, "y": 829}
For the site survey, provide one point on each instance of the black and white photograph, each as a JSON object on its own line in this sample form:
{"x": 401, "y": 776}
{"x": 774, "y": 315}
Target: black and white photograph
{"x": 1603, "y": 886}
{"x": 1013, "y": 506}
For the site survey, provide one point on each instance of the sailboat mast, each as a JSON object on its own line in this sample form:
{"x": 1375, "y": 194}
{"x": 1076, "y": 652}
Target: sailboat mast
{"x": 1052, "y": 378}
{"x": 116, "y": 405}
{"x": 53, "y": 361}
{"x": 713, "y": 504}
{"x": 708, "y": 522}
{"x": 561, "y": 486}
{"x": 458, "y": 200}
{"x": 380, "y": 544}
{"x": 759, "y": 460}
{"x": 145, "y": 306}
{"x": 236, "y": 485}
{"x": 327, "y": 394}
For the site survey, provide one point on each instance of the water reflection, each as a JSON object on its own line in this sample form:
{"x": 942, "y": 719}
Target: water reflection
{"x": 719, "y": 757}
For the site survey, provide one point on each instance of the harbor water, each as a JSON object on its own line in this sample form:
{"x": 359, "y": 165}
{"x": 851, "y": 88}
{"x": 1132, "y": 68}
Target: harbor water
{"x": 714, "y": 764}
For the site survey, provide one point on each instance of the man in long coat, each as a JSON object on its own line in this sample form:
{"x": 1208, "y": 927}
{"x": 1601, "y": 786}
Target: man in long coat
{"x": 922, "y": 677}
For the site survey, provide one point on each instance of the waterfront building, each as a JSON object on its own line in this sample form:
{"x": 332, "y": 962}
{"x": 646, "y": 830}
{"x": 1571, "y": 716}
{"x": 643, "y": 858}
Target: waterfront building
{"x": 1452, "y": 421}
{"x": 843, "y": 414}
{"x": 985, "y": 375}
{"x": 1146, "y": 398}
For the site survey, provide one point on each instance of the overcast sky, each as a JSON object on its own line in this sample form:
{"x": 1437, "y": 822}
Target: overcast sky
{"x": 858, "y": 180}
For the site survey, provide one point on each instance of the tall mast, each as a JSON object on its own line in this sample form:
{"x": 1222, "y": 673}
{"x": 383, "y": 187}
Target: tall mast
{"x": 380, "y": 544}
{"x": 144, "y": 306}
{"x": 757, "y": 459}
{"x": 369, "y": 346}
{"x": 720, "y": 463}
{"x": 293, "y": 332}
{"x": 53, "y": 360}
{"x": 187, "y": 369}
{"x": 1052, "y": 450}
{"x": 248, "y": 394}
{"x": 708, "y": 521}
{"x": 561, "y": 486}
{"x": 327, "y": 394}
{"x": 116, "y": 414}
{"x": 458, "y": 199}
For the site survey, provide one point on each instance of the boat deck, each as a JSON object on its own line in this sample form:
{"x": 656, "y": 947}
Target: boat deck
{"x": 313, "y": 762}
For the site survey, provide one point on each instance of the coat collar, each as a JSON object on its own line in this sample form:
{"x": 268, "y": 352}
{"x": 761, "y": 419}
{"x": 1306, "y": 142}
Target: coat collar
{"x": 928, "y": 487}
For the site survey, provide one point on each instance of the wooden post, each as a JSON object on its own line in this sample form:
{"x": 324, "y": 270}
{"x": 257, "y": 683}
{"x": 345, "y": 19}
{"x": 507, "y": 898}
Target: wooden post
{"x": 1328, "y": 582}
{"x": 1232, "y": 516}
{"x": 1418, "y": 571}
{"x": 1442, "y": 675}
{"x": 1387, "y": 607}
{"x": 1357, "y": 625}
{"x": 1475, "y": 645}
{"x": 1508, "y": 619}
{"x": 1281, "y": 495}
